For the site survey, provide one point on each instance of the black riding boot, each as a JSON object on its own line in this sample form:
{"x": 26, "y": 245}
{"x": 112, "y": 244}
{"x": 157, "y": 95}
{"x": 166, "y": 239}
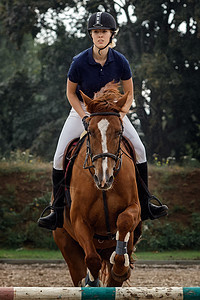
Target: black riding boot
{"x": 55, "y": 218}
{"x": 148, "y": 209}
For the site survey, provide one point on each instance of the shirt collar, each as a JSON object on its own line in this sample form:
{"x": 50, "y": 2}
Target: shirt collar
{"x": 93, "y": 62}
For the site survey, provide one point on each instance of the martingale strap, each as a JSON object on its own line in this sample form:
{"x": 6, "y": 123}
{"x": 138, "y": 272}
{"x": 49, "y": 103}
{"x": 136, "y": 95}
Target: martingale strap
{"x": 109, "y": 235}
{"x": 105, "y": 204}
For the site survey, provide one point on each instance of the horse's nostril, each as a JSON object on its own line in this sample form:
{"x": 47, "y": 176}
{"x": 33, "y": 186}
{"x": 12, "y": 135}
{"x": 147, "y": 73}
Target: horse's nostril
{"x": 96, "y": 179}
{"x": 110, "y": 181}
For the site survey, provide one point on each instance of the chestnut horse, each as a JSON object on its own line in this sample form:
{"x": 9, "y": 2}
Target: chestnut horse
{"x": 103, "y": 223}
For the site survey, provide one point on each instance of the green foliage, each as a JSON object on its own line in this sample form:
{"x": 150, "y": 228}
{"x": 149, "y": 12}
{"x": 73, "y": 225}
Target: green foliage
{"x": 19, "y": 156}
{"x": 168, "y": 236}
{"x": 16, "y": 103}
{"x": 164, "y": 60}
{"x": 185, "y": 161}
{"x": 55, "y": 60}
{"x": 166, "y": 73}
{"x": 18, "y": 228}
{"x": 21, "y": 17}
{"x": 33, "y": 102}
{"x": 18, "y": 224}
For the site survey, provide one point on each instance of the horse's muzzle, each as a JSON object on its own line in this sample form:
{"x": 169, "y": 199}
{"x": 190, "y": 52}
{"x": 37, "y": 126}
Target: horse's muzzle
{"x": 103, "y": 184}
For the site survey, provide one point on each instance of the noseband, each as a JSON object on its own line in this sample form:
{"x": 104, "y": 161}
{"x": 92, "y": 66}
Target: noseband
{"x": 116, "y": 157}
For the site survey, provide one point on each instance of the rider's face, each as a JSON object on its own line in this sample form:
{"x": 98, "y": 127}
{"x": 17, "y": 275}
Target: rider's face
{"x": 101, "y": 37}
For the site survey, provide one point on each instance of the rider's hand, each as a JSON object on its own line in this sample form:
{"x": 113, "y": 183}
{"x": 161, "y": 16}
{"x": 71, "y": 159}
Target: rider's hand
{"x": 85, "y": 123}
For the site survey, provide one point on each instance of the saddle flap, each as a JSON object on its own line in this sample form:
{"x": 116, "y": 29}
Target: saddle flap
{"x": 70, "y": 155}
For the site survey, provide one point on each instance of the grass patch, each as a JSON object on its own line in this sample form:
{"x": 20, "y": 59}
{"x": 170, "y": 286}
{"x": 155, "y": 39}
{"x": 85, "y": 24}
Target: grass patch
{"x": 56, "y": 254}
{"x": 169, "y": 255}
{"x": 30, "y": 254}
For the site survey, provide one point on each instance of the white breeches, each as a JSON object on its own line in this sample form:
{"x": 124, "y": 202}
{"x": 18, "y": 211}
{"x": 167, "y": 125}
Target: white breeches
{"x": 73, "y": 128}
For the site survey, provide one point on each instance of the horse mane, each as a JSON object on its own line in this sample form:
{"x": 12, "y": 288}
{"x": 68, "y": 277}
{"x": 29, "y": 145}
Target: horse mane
{"x": 106, "y": 99}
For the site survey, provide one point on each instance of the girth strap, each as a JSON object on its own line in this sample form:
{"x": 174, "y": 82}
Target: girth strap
{"x": 109, "y": 236}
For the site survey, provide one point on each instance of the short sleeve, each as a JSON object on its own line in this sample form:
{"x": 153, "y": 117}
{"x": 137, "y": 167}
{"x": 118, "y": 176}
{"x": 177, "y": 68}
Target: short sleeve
{"x": 126, "y": 73}
{"x": 73, "y": 73}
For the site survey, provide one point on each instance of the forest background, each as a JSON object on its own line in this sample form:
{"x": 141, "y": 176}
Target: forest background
{"x": 161, "y": 40}
{"x": 38, "y": 40}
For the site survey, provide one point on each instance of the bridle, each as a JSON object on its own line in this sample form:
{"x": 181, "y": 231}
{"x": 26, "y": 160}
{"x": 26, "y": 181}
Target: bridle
{"x": 116, "y": 157}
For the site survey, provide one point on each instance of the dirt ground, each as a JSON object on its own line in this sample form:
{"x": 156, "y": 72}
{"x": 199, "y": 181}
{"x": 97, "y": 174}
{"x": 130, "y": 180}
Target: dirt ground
{"x": 58, "y": 275}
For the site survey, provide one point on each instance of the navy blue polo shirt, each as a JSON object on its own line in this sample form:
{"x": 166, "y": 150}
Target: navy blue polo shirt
{"x": 91, "y": 76}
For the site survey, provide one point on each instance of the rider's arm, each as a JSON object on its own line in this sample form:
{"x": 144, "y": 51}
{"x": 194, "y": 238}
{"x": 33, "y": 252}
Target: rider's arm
{"x": 73, "y": 99}
{"x": 127, "y": 87}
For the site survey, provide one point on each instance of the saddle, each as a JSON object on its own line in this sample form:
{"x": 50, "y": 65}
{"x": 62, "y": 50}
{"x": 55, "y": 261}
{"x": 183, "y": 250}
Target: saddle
{"x": 71, "y": 153}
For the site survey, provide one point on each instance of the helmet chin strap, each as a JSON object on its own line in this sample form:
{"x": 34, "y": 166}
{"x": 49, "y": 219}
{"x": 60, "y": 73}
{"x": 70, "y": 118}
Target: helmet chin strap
{"x": 100, "y": 49}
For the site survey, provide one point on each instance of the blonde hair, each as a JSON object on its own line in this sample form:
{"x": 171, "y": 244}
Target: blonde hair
{"x": 114, "y": 40}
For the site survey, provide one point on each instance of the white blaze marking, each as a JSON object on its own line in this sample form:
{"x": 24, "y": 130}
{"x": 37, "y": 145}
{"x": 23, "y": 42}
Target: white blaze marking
{"x": 103, "y": 126}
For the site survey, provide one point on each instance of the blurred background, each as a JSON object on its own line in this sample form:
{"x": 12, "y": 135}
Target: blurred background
{"x": 161, "y": 40}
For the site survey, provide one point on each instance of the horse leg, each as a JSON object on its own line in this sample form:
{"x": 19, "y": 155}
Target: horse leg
{"x": 137, "y": 234}
{"x": 72, "y": 253}
{"x": 126, "y": 223}
{"x": 84, "y": 236}
{"x": 111, "y": 282}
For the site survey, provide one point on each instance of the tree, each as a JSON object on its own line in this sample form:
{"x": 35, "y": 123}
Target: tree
{"x": 164, "y": 69}
{"x": 47, "y": 100}
{"x": 164, "y": 60}
{"x": 21, "y": 17}
{"x": 167, "y": 70}
{"x": 19, "y": 71}
{"x": 55, "y": 60}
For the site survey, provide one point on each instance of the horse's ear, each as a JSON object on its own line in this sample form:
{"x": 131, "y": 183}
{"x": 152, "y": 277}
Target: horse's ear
{"x": 86, "y": 99}
{"x": 122, "y": 100}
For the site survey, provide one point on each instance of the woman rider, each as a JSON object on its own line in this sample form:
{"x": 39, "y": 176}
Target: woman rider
{"x": 89, "y": 72}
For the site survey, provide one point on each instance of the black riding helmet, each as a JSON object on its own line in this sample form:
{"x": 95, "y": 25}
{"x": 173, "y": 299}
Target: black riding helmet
{"x": 102, "y": 20}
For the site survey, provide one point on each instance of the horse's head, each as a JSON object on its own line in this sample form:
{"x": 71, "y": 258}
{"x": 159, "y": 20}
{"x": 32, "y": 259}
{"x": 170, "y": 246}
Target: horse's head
{"x": 104, "y": 134}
